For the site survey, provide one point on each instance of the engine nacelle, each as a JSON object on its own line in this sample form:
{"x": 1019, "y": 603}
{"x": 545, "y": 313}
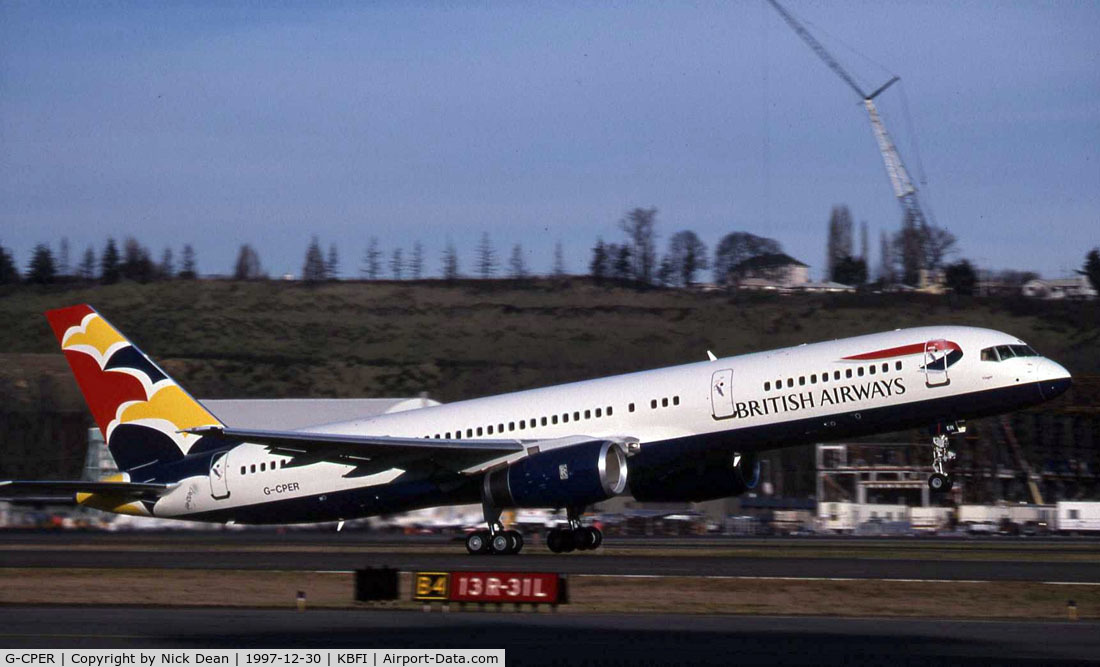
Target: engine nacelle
{"x": 573, "y": 476}
{"x": 697, "y": 481}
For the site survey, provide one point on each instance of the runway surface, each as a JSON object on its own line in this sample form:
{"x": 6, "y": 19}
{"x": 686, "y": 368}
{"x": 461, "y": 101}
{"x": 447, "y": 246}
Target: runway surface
{"x": 537, "y": 639}
{"x": 956, "y": 561}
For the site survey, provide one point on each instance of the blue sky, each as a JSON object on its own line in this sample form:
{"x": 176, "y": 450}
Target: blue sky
{"x": 266, "y": 123}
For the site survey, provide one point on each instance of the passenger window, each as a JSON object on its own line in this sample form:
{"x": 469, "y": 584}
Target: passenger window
{"x": 848, "y": 372}
{"x": 825, "y": 376}
{"x": 263, "y": 467}
{"x": 565, "y": 418}
{"x": 469, "y": 433}
{"x": 577, "y": 416}
{"x": 282, "y": 464}
{"x": 630, "y": 408}
{"x": 664, "y": 402}
{"x": 653, "y": 404}
{"x": 871, "y": 369}
{"x": 272, "y": 465}
{"x": 813, "y": 378}
{"x": 885, "y": 367}
{"x": 448, "y": 436}
{"x": 801, "y": 380}
{"x": 522, "y": 425}
{"x": 243, "y": 470}
{"x": 599, "y": 413}
{"x": 790, "y": 382}
{"x": 897, "y": 365}
{"x": 534, "y": 422}
{"x": 836, "y": 375}
{"x": 554, "y": 419}
{"x": 490, "y": 429}
{"x": 609, "y": 411}
{"x": 511, "y": 426}
{"x": 543, "y": 420}
{"x": 479, "y": 431}
{"x": 588, "y": 414}
{"x": 500, "y": 428}
{"x": 767, "y": 386}
{"x": 676, "y": 400}
{"x": 253, "y": 467}
{"x": 859, "y": 371}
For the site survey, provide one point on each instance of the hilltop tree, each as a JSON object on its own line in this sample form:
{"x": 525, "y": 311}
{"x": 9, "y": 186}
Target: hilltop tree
{"x": 189, "y": 269}
{"x": 42, "y": 270}
{"x": 640, "y": 227}
{"x": 938, "y": 245}
{"x": 313, "y": 270}
{"x": 850, "y": 271}
{"x": 64, "y": 268}
{"x": 839, "y": 245}
{"x": 397, "y": 264}
{"x": 486, "y": 258}
{"x": 136, "y": 264}
{"x": 9, "y": 273}
{"x": 599, "y": 266}
{"x": 1091, "y": 269}
{"x": 248, "y": 264}
{"x": 961, "y": 278}
{"x": 886, "y": 260}
{"x": 86, "y": 270}
{"x": 623, "y": 266}
{"x": 416, "y": 263}
{"x": 372, "y": 260}
{"x": 558, "y": 270}
{"x": 450, "y": 262}
{"x": 332, "y": 263}
{"x": 687, "y": 255}
{"x": 517, "y": 268}
{"x": 736, "y": 247}
{"x": 666, "y": 275}
{"x": 108, "y": 263}
{"x": 864, "y": 245}
{"x": 167, "y": 266}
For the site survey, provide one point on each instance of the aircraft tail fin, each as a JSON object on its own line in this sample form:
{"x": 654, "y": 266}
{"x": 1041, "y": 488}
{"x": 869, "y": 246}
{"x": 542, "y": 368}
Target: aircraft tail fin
{"x": 140, "y": 410}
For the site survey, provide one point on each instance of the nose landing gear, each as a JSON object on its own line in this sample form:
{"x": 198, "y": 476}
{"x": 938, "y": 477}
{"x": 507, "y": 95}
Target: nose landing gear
{"x": 941, "y": 481}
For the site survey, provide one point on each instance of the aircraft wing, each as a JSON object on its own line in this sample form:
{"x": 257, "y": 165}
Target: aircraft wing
{"x": 47, "y": 488}
{"x": 369, "y": 453}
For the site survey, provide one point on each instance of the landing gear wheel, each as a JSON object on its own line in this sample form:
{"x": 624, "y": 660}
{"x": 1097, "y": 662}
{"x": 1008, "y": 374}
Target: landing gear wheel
{"x": 597, "y": 538}
{"x": 585, "y": 538}
{"x": 560, "y": 541}
{"x": 502, "y": 543}
{"x": 517, "y": 540}
{"x": 477, "y": 542}
{"x": 939, "y": 483}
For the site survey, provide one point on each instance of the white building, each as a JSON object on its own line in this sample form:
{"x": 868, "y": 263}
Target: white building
{"x": 1078, "y": 287}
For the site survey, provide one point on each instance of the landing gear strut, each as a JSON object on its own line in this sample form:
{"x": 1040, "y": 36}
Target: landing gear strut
{"x": 496, "y": 540}
{"x": 575, "y": 536}
{"x": 941, "y": 481}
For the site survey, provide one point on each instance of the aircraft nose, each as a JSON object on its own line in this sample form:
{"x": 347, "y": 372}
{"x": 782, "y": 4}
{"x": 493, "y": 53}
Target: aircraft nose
{"x": 1055, "y": 380}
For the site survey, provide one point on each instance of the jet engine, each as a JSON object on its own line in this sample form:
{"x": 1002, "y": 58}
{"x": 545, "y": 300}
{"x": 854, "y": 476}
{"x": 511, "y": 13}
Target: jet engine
{"x": 697, "y": 481}
{"x": 573, "y": 476}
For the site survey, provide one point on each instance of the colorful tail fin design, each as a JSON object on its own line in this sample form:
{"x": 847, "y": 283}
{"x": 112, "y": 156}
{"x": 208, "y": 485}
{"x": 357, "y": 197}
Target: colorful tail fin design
{"x": 139, "y": 409}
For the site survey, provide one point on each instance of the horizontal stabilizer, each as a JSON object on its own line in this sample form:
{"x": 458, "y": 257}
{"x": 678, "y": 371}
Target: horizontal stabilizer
{"x": 47, "y": 488}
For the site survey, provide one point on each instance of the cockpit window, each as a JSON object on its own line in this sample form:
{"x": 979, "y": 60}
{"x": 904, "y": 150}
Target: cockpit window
{"x": 1002, "y": 352}
{"x": 990, "y": 354}
{"x": 1023, "y": 351}
{"x": 1005, "y": 351}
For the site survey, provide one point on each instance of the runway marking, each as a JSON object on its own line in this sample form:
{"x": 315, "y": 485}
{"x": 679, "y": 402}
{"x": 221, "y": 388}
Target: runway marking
{"x": 887, "y": 579}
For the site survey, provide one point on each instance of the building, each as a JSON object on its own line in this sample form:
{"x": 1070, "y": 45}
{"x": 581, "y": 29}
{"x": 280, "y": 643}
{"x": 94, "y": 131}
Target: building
{"x": 771, "y": 272}
{"x": 1078, "y": 287}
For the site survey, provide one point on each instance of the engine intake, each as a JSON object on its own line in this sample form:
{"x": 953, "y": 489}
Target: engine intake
{"x": 573, "y": 476}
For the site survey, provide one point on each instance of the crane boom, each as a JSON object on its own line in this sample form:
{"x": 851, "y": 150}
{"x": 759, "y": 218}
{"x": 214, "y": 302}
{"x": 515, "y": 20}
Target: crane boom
{"x": 904, "y": 189}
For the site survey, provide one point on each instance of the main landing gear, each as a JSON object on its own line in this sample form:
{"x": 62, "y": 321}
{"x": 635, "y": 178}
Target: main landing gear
{"x": 574, "y": 537}
{"x": 941, "y": 481}
{"x": 496, "y": 540}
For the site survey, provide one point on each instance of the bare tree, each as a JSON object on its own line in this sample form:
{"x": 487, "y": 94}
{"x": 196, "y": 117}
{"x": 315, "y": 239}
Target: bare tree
{"x": 397, "y": 264}
{"x": 886, "y": 260}
{"x": 864, "y": 248}
{"x": 687, "y": 255}
{"x": 640, "y": 227}
{"x": 486, "y": 258}
{"x": 372, "y": 260}
{"x": 839, "y": 245}
{"x": 416, "y": 264}
{"x": 938, "y": 245}
{"x": 517, "y": 268}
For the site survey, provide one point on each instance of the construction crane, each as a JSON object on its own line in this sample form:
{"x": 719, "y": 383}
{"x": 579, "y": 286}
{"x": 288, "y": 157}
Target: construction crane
{"x": 904, "y": 189}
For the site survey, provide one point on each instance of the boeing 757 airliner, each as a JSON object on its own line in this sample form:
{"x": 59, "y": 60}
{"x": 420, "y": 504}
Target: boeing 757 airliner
{"x": 685, "y": 433}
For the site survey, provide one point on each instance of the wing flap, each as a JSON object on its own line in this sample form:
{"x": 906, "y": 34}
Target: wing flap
{"x": 46, "y": 488}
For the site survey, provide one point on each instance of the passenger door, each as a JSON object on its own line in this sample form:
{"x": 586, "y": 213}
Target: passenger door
{"x": 935, "y": 363}
{"x": 219, "y": 470}
{"x": 721, "y": 393}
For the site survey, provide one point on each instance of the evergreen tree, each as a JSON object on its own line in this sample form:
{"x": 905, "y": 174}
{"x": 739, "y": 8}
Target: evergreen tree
{"x": 839, "y": 245}
{"x": 332, "y": 263}
{"x": 486, "y": 258}
{"x": 313, "y": 270}
{"x": 961, "y": 278}
{"x": 87, "y": 265}
{"x": 450, "y": 262}
{"x": 416, "y": 264}
{"x": 850, "y": 271}
{"x": 167, "y": 266}
{"x": 64, "y": 268}
{"x": 517, "y": 268}
{"x": 9, "y": 273}
{"x": 599, "y": 264}
{"x": 136, "y": 264}
{"x": 108, "y": 263}
{"x": 372, "y": 260}
{"x": 397, "y": 264}
{"x": 42, "y": 270}
{"x": 1091, "y": 268}
{"x": 189, "y": 269}
{"x": 623, "y": 268}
